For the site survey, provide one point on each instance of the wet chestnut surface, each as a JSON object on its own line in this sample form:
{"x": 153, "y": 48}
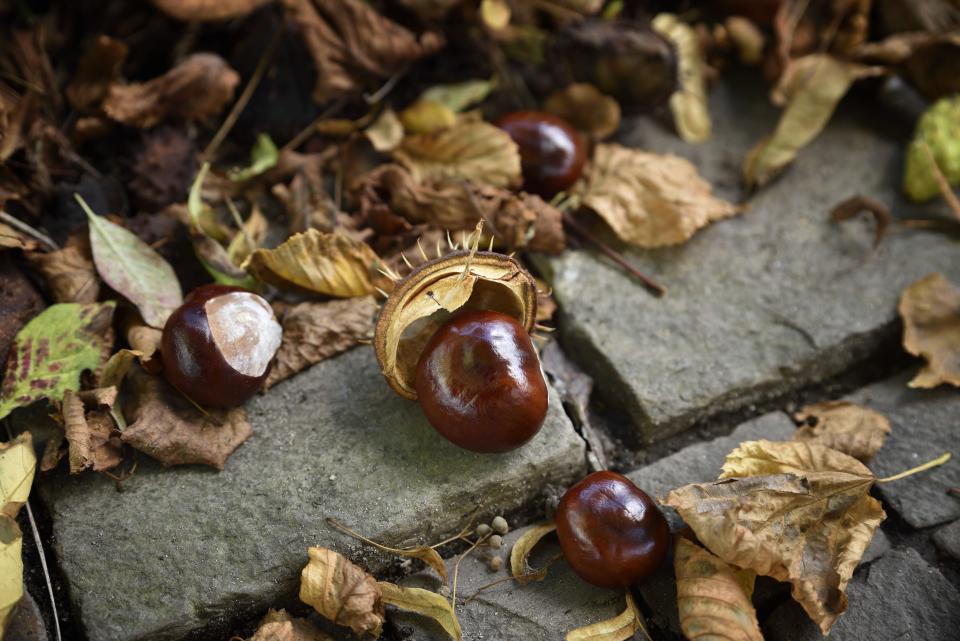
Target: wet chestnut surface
{"x": 479, "y": 382}
{"x": 552, "y": 153}
{"x": 612, "y": 534}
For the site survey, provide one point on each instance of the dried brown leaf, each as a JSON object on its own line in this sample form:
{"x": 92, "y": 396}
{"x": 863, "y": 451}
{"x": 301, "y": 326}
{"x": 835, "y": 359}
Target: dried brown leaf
{"x": 313, "y": 332}
{"x": 10, "y": 238}
{"x": 515, "y": 220}
{"x": 351, "y": 44}
{"x": 843, "y": 426}
{"x": 423, "y": 602}
{"x": 90, "y": 434}
{"x": 649, "y": 200}
{"x": 810, "y": 87}
{"x": 329, "y": 264}
{"x": 171, "y": 429}
{"x": 589, "y": 111}
{"x": 208, "y": 10}
{"x": 688, "y": 103}
{"x": 520, "y": 553}
{"x": 197, "y": 88}
{"x": 930, "y": 309}
{"x": 798, "y": 512}
{"x": 710, "y": 597}
{"x": 278, "y": 625}
{"x": 69, "y": 272}
{"x": 342, "y": 592}
{"x": 99, "y": 68}
{"x": 470, "y": 150}
{"x": 619, "y": 628}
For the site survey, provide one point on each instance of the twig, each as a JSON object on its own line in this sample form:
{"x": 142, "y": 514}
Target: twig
{"x": 19, "y": 225}
{"x": 854, "y": 205}
{"x": 308, "y": 131}
{"x": 456, "y": 568}
{"x": 381, "y": 93}
{"x": 470, "y": 598}
{"x": 244, "y": 98}
{"x": 613, "y": 255}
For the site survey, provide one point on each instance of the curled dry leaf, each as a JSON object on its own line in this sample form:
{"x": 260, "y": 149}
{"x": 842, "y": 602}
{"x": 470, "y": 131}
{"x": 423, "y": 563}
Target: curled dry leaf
{"x": 470, "y": 150}
{"x": 197, "y": 88}
{"x": 711, "y": 598}
{"x": 50, "y": 353}
{"x": 688, "y": 103}
{"x": 90, "y": 435}
{"x": 69, "y": 272}
{"x": 798, "y": 512}
{"x": 619, "y": 628}
{"x": 520, "y": 553}
{"x": 134, "y": 269}
{"x": 515, "y": 220}
{"x": 423, "y": 602}
{"x": 649, "y": 200}
{"x": 17, "y": 466}
{"x": 342, "y": 592}
{"x": 171, "y": 429}
{"x": 313, "y": 332}
{"x": 278, "y": 625}
{"x": 589, "y": 111}
{"x": 208, "y": 10}
{"x": 843, "y": 426}
{"x": 811, "y": 87}
{"x": 98, "y": 69}
{"x": 329, "y": 264}
{"x": 351, "y": 44}
{"x": 930, "y": 309}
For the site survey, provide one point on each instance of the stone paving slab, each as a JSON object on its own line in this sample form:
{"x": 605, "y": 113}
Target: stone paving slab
{"x": 924, "y": 425}
{"x": 189, "y": 548}
{"x": 947, "y": 539}
{"x": 758, "y": 305}
{"x": 543, "y": 611}
{"x": 897, "y": 598}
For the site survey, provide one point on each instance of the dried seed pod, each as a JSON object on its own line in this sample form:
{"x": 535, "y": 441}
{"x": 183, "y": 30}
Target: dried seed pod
{"x": 423, "y": 301}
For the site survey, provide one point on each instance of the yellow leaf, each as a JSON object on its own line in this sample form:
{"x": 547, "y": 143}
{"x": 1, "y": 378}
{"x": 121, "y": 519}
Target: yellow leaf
{"x": 17, "y": 465}
{"x": 811, "y": 87}
{"x": 423, "y": 602}
{"x": 330, "y": 264}
{"x": 712, "y": 601}
{"x": 844, "y": 426}
{"x": 475, "y": 151}
{"x": 802, "y": 514}
{"x": 619, "y": 628}
{"x": 427, "y": 116}
{"x": 688, "y": 103}
{"x": 930, "y": 309}
{"x": 341, "y": 592}
{"x": 495, "y": 13}
{"x": 278, "y": 625}
{"x": 519, "y": 566}
{"x": 649, "y": 200}
{"x": 589, "y": 111}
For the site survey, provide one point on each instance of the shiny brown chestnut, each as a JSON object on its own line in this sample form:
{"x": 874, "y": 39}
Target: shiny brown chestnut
{"x": 612, "y": 534}
{"x": 552, "y": 153}
{"x": 479, "y": 382}
{"x": 217, "y": 346}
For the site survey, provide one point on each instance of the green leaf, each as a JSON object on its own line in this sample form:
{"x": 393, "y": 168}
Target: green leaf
{"x": 52, "y": 350}
{"x": 263, "y": 156}
{"x": 461, "y": 95}
{"x": 133, "y": 268}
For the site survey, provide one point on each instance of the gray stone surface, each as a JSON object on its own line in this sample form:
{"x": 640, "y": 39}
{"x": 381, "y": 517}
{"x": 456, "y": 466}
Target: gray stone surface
{"x": 924, "y": 426}
{"x": 947, "y": 539}
{"x": 189, "y": 548}
{"x": 543, "y": 611}
{"x": 898, "y": 598}
{"x": 758, "y": 305}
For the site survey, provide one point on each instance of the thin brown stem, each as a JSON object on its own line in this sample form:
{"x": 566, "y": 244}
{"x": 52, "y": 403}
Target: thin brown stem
{"x": 952, "y": 201}
{"x": 612, "y": 254}
{"x": 244, "y": 98}
{"x": 19, "y": 225}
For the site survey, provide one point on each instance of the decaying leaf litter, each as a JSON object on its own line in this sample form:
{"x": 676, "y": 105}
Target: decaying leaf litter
{"x": 130, "y": 178}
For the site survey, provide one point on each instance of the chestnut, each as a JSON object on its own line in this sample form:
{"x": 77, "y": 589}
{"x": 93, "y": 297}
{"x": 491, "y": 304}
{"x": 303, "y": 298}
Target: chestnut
{"x": 218, "y": 345}
{"x": 552, "y": 153}
{"x": 479, "y": 382}
{"x": 611, "y": 533}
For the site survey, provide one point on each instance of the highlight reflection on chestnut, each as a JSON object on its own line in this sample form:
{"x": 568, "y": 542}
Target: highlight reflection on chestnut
{"x": 552, "y": 153}
{"x": 611, "y": 532}
{"x": 479, "y": 382}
